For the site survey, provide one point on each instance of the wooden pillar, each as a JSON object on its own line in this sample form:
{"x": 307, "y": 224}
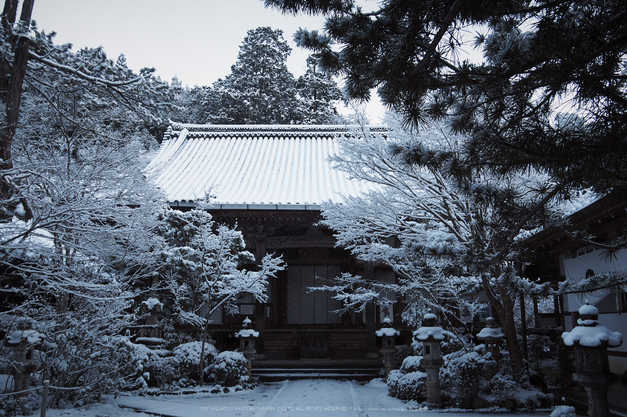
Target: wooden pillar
{"x": 523, "y": 329}
{"x": 371, "y": 325}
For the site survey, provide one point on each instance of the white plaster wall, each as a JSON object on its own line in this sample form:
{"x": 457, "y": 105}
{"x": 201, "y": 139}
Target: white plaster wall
{"x": 575, "y": 269}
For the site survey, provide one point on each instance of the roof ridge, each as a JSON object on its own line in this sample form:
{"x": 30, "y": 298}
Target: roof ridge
{"x": 269, "y": 128}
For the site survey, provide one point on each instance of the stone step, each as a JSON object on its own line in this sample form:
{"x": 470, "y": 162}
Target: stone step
{"x": 280, "y": 374}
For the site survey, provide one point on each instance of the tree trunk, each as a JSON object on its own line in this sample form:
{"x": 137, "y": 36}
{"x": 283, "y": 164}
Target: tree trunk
{"x": 201, "y": 362}
{"x": 511, "y": 336}
{"x": 9, "y": 13}
{"x": 505, "y": 314}
{"x": 14, "y": 87}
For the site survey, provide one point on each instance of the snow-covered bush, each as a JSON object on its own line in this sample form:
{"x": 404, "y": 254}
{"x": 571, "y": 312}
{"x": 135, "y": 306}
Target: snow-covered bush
{"x": 187, "y": 358}
{"x": 407, "y": 386}
{"x": 411, "y": 364}
{"x": 402, "y": 352}
{"x": 473, "y": 379}
{"x": 564, "y": 411}
{"x": 11, "y": 405}
{"x": 408, "y": 382}
{"x": 229, "y": 368}
{"x": 167, "y": 370}
{"x": 465, "y": 374}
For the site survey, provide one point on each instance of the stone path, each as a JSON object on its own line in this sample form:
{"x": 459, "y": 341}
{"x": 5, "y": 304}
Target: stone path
{"x": 298, "y": 398}
{"x": 302, "y": 398}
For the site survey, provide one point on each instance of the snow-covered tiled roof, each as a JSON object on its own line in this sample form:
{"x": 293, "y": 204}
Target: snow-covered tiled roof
{"x": 252, "y": 166}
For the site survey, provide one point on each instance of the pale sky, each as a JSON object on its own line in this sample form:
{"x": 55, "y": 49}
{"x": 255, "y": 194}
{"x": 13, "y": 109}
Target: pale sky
{"x": 195, "y": 40}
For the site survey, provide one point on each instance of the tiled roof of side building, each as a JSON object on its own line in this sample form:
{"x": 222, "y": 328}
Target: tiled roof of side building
{"x": 253, "y": 166}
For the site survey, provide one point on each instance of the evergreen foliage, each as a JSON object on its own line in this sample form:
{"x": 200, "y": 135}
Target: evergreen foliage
{"x": 261, "y": 90}
{"x": 447, "y": 243}
{"x": 80, "y": 242}
{"x": 548, "y": 91}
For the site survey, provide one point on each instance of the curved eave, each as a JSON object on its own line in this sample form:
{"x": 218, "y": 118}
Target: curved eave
{"x": 248, "y": 207}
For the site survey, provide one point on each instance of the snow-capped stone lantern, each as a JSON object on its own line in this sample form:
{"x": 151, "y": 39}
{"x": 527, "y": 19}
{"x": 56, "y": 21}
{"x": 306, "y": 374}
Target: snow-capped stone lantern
{"x": 247, "y": 338}
{"x": 491, "y": 335}
{"x": 388, "y": 344}
{"x": 431, "y": 335}
{"x": 593, "y": 370}
{"x": 153, "y": 307}
{"x": 23, "y": 343}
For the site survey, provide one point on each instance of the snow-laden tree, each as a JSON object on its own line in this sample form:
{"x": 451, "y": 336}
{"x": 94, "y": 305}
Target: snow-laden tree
{"x": 261, "y": 90}
{"x": 69, "y": 269}
{"x": 443, "y": 241}
{"x": 88, "y": 91}
{"x": 318, "y": 94}
{"x": 205, "y": 267}
{"x": 504, "y": 70}
{"x": 79, "y": 219}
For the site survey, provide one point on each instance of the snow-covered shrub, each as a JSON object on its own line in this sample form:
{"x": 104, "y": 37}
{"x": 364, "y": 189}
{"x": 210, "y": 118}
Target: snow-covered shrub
{"x": 187, "y": 358}
{"x": 167, "y": 370}
{"x": 82, "y": 357}
{"x": 411, "y": 364}
{"x": 141, "y": 366}
{"x": 465, "y": 374}
{"x": 160, "y": 370}
{"x": 409, "y": 382}
{"x": 501, "y": 386}
{"x": 407, "y": 386}
{"x": 11, "y": 405}
{"x": 402, "y": 352}
{"x": 564, "y": 411}
{"x": 229, "y": 368}
{"x": 475, "y": 380}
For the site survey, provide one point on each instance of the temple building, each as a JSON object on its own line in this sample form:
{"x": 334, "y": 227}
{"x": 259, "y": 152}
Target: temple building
{"x": 270, "y": 181}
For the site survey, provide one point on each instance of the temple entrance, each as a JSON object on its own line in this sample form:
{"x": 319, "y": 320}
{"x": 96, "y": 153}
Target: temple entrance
{"x": 311, "y": 307}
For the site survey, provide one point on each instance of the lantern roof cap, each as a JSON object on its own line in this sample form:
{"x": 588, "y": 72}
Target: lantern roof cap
{"x": 387, "y": 331}
{"x": 592, "y": 336}
{"x": 247, "y": 333}
{"x": 490, "y": 331}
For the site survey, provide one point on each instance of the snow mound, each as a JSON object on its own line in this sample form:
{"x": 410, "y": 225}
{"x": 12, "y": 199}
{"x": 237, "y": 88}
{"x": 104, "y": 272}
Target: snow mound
{"x": 387, "y": 331}
{"x": 151, "y": 303}
{"x": 435, "y": 332}
{"x": 592, "y": 336}
{"x": 30, "y": 336}
{"x": 588, "y": 310}
{"x": 247, "y": 333}
{"x": 493, "y": 332}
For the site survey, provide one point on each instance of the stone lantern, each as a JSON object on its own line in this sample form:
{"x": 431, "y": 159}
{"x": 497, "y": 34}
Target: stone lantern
{"x": 247, "y": 338}
{"x": 23, "y": 343}
{"x": 431, "y": 335}
{"x": 388, "y": 344}
{"x": 154, "y": 308}
{"x": 491, "y": 335}
{"x": 593, "y": 370}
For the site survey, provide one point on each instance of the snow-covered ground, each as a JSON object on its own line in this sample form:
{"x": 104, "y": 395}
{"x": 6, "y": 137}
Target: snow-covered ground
{"x": 299, "y": 398}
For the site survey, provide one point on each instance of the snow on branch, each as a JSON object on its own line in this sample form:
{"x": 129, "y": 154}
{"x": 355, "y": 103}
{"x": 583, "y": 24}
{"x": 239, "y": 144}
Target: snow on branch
{"x": 605, "y": 280}
{"x": 98, "y": 80}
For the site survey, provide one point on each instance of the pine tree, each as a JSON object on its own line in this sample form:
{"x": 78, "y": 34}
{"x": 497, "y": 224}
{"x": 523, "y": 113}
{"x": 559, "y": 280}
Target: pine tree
{"x": 260, "y": 89}
{"x": 549, "y": 92}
